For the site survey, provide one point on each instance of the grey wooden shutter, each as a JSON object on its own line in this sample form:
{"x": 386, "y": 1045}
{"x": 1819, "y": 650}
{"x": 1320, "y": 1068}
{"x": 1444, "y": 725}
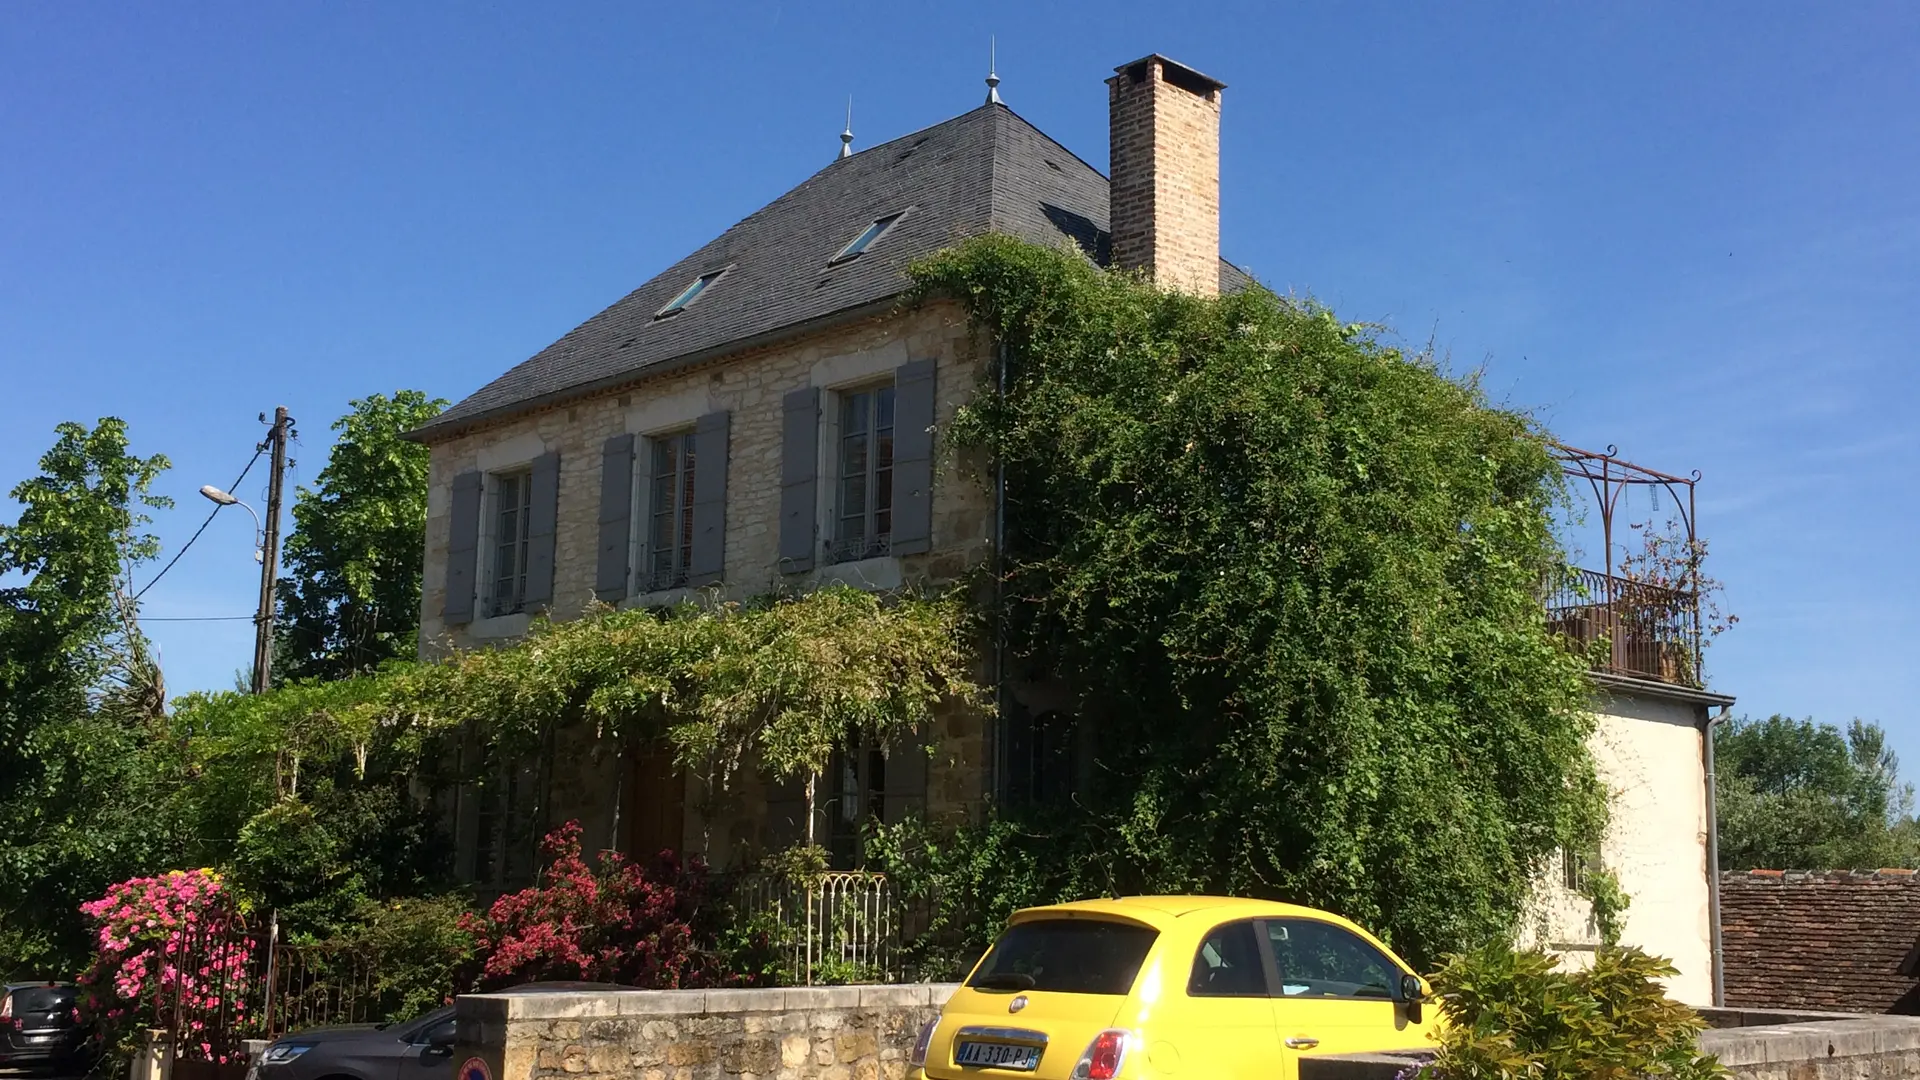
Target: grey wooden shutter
{"x": 616, "y": 518}
{"x": 709, "y": 500}
{"x": 463, "y": 549}
{"x": 913, "y": 458}
{"x": 543, "y": 518}
{"x": 799, "y": 466}
{"x": 906, "y": 788}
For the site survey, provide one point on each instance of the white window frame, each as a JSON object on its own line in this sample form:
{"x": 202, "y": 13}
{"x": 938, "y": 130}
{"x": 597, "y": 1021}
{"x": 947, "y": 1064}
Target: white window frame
{"x": 835, "y": 541}
{"x": 641, "y": 579}
{"x": 491, "y": 539}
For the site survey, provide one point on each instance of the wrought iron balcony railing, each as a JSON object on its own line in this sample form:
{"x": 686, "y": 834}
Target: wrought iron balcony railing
{"x": 1651, "y": 632}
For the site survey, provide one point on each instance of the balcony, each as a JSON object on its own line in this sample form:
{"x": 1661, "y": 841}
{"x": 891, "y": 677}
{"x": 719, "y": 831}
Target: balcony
{"x": 1649, "y": 632}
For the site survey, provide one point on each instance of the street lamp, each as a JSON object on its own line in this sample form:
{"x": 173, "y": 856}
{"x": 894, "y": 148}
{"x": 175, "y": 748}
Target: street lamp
{"x": 266, "y": 550}
{"x": 224, "y": 499}
{"x": 263, "y": 620}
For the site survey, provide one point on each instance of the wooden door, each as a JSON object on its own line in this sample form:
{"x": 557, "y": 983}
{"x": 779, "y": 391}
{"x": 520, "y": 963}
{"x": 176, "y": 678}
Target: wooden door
{"x": 656, "y": 804}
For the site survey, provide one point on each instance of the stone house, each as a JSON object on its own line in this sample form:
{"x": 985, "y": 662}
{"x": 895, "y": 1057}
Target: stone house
{"x": 761, "y": 416}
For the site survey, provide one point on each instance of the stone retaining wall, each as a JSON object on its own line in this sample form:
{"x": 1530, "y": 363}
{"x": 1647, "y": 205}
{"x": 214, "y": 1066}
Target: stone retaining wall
{"x": 812, "y": 1033}
{"x": 1841, "y": 1047}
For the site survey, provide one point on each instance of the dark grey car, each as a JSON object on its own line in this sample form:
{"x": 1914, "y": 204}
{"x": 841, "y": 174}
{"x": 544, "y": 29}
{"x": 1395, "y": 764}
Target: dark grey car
{"x": 416, "y": 1050}
{"x": 40, "y": 1026}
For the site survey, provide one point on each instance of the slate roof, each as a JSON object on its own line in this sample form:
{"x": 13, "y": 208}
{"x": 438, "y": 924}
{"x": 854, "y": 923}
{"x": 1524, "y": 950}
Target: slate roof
{"x": 1835, "y": 941}
{"x": 986, "y": 170}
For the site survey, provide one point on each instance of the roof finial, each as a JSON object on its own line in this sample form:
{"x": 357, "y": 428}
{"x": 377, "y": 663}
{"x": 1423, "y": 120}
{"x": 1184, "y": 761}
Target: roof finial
{"x": 846, "y": 137}
{"x": 993, "y": 74}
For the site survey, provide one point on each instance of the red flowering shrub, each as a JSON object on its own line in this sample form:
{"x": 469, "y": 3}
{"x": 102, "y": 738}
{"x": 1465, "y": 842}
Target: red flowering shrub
{"x": 614, "y": 922}
{"x": 163, "y": 944}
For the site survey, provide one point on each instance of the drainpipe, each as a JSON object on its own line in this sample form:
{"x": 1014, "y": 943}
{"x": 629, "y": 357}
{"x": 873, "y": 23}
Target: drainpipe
{"x": 1713, "y": 866}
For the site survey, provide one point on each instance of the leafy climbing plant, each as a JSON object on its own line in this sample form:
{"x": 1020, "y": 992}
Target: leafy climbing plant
{"x": 1292, "y": 573}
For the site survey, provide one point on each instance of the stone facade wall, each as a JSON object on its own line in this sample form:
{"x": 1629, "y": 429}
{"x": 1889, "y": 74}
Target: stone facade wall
{"x": 811, "y": 1033}
{"x": 1648, "y": 751}
{"x": 750, "y": 386}
{"x": 580, "y": 781}
{"x": 1164, "y": 152}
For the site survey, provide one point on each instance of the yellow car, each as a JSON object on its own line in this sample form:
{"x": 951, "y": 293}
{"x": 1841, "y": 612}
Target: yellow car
{"x": 1207, "y": 987}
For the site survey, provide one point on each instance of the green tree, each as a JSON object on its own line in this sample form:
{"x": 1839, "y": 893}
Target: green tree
{"x": 1293, "y": 575}
{"x": 351, "y": 598}
{"x": 83, "y": 782}
{"x": 77, "y": 536}
{"x": 1793, "y": 794}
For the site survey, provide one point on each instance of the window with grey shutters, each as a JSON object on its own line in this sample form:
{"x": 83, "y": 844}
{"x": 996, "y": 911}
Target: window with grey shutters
{"x": 799, "y": 473}
{"x": 863, "y": 485}
{"x": 543, "y": 530}
{"x": 616, "y": 518}
{"x": 672, "y": 459}
{"x": 709, "y": 500}
{"x": 912, "y": 524}
{"x": 463, "y": 544}
{"x": 508, "y": 519}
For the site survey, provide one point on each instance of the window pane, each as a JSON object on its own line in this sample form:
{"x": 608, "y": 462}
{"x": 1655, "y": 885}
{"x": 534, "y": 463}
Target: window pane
{"x": 853, "y": 413}
{"x": 853, "y": 456}
{"x": 1066, "y": 956}
{"x": 1319, "y": 959}
{"x": 853, "y": 501}
{"x": 885, "y": 394}
{"x": 1228, "y": 964}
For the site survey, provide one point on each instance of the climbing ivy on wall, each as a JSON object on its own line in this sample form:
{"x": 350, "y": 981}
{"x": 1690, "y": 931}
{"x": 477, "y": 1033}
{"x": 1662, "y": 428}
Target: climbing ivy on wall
{"x": 1293, "y": 576}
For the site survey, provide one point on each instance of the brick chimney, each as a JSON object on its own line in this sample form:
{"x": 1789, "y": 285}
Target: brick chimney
{"x": 1165, "y": 167}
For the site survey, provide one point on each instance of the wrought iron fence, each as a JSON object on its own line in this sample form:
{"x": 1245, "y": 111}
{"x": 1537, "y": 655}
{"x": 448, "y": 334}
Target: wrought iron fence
{"x": 200, "y": 986}
{"x": 840, "y": 926}
{"x": 315, "y": 985}
{"x": 1651, "y": 632}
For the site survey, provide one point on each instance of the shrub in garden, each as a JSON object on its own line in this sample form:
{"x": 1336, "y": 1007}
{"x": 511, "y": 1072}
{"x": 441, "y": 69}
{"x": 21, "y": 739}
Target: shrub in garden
{"x": 1511, "y": 1015}
{"x": 164, "y": 943}
{"x": 614, "y": 922}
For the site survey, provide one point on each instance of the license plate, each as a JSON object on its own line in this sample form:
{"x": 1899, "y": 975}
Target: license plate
{"x": 43, "y": 1038}
{"x": 998, "y": 1056}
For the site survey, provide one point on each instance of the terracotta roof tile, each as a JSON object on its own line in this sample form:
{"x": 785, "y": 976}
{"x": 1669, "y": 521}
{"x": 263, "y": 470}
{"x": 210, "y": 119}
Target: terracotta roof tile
{"x": 1843, "y": 941}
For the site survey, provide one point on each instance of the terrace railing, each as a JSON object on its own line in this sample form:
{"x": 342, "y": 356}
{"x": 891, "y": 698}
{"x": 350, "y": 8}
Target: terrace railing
{"x": 1651, "y": 632}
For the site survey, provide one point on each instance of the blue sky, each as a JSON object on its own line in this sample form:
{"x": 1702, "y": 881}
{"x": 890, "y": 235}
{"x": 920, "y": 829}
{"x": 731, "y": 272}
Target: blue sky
{"x": 1691, "y": 231}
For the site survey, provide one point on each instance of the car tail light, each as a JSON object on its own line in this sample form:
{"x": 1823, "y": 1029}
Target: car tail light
{"x": 1104, "y": 1056}
{"x": 6, "y": 1007}
{"x": 919, "y": 1057}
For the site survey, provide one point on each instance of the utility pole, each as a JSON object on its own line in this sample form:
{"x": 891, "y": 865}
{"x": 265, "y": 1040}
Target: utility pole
{"x": 270, "y": 552}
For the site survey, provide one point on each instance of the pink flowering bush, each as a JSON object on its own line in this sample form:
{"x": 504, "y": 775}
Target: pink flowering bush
{"x": 614, "y": 922}
{"x": 163, "y": 946}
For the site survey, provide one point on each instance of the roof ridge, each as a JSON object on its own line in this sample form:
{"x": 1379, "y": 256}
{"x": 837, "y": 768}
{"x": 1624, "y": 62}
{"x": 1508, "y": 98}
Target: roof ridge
{"x": 837, "y": 162}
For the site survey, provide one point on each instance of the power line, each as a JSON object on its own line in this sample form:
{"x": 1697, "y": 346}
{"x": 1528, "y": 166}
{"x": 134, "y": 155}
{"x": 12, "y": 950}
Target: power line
{"x": 257, "y": 451}
{"x": 197, "y": 618}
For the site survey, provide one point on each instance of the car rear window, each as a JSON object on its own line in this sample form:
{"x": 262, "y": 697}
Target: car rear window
{"x": 39, "y": 999}
{"x": 1066, "y": 956}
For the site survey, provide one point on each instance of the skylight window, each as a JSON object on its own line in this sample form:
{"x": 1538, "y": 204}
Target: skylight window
{"x": 689, "y": 294}
{"x": 866, "y": 238}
